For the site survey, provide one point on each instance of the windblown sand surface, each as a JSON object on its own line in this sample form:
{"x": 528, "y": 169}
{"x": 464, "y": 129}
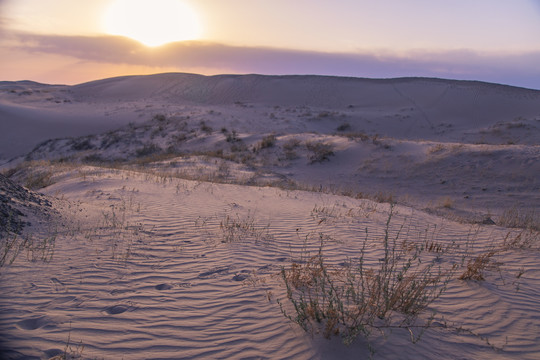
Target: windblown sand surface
{"x": 181, "y": 201}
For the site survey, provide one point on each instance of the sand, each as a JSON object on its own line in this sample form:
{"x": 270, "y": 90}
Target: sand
{"x": 179, "y": 198}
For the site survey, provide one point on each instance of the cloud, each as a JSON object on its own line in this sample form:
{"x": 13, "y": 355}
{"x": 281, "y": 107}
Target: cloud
{"x": 515, "y": 69}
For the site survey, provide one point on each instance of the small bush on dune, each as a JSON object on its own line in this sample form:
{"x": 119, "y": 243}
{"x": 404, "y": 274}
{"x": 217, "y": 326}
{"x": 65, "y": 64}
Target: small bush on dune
{"x": 320, "y": 151}
{"x": 518, "y": 218}
{"x": 236, "y": 229}
{"x": 206, "y": 128}
{"x": 38, "y": 179}
{"x": 232, "y": 137}
{"x": 477, "y": 266}
{"x": 344, "y": 127}
{"x": 265, "y": 143}
{"x": 384, "y": 197}
{"x": 356, "y": 299}
{"x": 147, "y": 150}
{"x": 82, "y": 145}
{"x": 159, "y": 118}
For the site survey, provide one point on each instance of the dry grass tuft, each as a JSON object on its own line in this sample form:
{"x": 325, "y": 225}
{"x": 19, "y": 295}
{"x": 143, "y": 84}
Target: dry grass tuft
{"x": 519, "y": 218}
{"x": 359, "y": 297}
{"x": 320, "y": 151}
{"x": 477, "y": 266}
{"x": 238, "y": 228}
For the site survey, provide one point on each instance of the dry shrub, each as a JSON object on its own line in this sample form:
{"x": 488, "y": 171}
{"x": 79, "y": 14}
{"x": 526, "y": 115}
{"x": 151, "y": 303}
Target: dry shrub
{"x": 477, "y": 266}
{"x": 447, "y": 202}
{"x": 356, "y": 298}
{"x": 526, "y": 239}
{"x": 519, "y": 218}
{"x": 384, "y": 197}
{"x": 238, "y": 228}
{"x": 320, "y": 151}
{"x": 265, "y": 143}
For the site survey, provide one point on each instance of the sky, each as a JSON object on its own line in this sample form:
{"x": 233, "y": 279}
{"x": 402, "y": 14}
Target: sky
{"x": 74, "y": 41}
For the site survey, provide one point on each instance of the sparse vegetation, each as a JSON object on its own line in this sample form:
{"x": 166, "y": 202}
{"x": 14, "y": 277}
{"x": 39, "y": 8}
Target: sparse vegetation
{"x": 320, "y": 151}
{"x": 38, "y": 179}
{"x": 206, "y": 128}
{"x": 447, "y": 202}
{"x": 477, "y": 266}
{"x": 361, "y": 296}
{"x": 516, "y": 217}
{"x": 344, "y": 127}
{"x": 384, "y": 197}
{"x": 267, "y": 142}
{"x": 159, "y": 118}
{"x": 81, "y": 145}
{"x": 238, "y": 228}
{"x": 147, "y": 150}
{"x": 36, "y": 247}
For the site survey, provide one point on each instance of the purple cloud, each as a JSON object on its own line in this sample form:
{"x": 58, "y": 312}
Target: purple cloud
{"x": 515, "y": 69}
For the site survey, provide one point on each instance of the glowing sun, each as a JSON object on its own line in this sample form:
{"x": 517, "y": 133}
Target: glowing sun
{"x": 152, "y": 23}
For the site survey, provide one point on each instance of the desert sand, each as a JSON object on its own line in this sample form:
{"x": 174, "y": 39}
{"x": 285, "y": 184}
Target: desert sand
{"x": 163, "y": 216}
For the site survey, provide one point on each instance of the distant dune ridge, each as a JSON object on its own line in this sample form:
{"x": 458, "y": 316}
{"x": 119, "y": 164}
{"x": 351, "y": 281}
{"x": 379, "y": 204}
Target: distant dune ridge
{"x": 57, "y": 111}
{"x": 182, "y": 216}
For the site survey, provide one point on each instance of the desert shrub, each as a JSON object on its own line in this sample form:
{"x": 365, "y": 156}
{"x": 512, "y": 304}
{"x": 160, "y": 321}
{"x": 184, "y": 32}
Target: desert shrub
{"x": 291, "y": 144}
{"x": 159, "y": 118}
{"x": 110, "y": 139}
{"x": 384, "y": 197}
{"x": 289, "y": 149}
{"x": 357, "y": 135}
{"x": 320, "y": 151}
{"x": 232, "y": 137}
{"x": 82, "y": 145}
{"x": 147, "y": 150}
{"x": 344, "y": 127}
{"x": 525, "y": 239}
{"x": 519, "y": 218}
{"x": 378, "y": 142}
{"x": 436, "y": 149}
{"x": 238, "y": 147}
{"x": 477, "y": 266}
{"x": 324, "y": 114}
{"x": 94, "y": 159}
{"x": 266, "y": 142}
{"x": 447, "y": 202}
{"x": 40, "y": 248}
{"x": 291, "y": 155}
{"x": 360, "y": 296}
{"x": 238, "y": 228}
{"x": 206, "y": 128}
{"x": 38, "y": 179}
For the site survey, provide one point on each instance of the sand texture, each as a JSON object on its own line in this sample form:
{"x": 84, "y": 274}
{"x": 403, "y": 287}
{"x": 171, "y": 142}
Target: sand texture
{"x": 154, "y": 217}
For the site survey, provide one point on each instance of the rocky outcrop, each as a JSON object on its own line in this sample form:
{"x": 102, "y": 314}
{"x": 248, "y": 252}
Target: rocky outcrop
{"x": 15, "y": 204}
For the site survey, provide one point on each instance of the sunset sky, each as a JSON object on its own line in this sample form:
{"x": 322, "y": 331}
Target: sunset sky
{"x": 73, "y": 41}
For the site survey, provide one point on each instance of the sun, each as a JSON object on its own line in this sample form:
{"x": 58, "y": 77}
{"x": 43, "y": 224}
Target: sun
{"x": 152, "y": 22}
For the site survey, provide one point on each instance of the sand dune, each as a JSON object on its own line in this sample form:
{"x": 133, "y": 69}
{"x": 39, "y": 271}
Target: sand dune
{"x": 174, "y": 203}
{"x": 163, "y": 284}
{"x": 411, "y": 108}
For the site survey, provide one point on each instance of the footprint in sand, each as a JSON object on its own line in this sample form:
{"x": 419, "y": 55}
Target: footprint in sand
{"x": 36, "y": 323}
{"x": 240, "y": 277}
{"x": 54, "y": 353}
{"x": 117, "y": 309}
{"x": 207, "y": 274}
{"x": 163, "y": 287}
